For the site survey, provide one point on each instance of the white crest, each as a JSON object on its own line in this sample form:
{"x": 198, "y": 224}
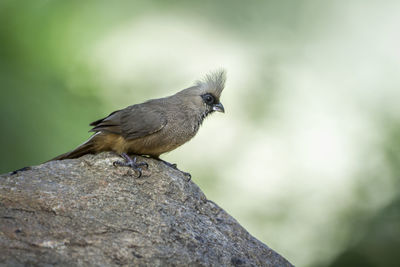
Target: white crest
{"x": 213, "y": 82}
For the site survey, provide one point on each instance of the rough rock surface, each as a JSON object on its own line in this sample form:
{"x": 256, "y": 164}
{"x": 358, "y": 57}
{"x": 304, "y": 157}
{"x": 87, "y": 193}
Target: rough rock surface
{"x": 86, "y": 212}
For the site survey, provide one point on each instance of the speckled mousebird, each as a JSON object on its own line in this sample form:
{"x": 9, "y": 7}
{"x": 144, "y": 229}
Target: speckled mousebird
{"x": 156, "y": 126}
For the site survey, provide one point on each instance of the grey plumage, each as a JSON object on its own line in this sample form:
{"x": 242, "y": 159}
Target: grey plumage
{"x": 158, "y": 125}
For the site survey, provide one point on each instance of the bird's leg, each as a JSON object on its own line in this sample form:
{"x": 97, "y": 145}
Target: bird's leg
{"x": 173, "y": 165}
{"x": 136, "y": 166}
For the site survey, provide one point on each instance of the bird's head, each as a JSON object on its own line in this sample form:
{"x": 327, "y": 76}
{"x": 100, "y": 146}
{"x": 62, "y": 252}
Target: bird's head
{"x": 206, "y": 93}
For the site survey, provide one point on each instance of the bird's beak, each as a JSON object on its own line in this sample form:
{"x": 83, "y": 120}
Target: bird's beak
{"x": 219, "y": 107}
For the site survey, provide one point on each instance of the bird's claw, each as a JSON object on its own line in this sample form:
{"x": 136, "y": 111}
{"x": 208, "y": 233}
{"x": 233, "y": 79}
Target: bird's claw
{"x": 174, "y": 166}
{"x": 139, "y": 170}
{"x": 117, "y": 163}
{"x": 131, "y": 163}
{"x": 144, "y": 164}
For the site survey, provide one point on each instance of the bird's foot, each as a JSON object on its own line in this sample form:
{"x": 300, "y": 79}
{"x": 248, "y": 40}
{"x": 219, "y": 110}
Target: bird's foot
{"x": 129, "y": 162}
{"x": 174, "y": 166}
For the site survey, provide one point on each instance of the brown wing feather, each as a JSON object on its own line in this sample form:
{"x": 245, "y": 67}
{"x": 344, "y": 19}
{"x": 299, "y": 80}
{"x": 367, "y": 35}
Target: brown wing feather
{"x": 142, "y": 120}
{"x": 132, "y": 122}
{"x": 95, "y": 123}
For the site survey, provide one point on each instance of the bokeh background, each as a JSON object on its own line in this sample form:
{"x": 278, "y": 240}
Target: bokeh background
{"x": 307, "y": 155}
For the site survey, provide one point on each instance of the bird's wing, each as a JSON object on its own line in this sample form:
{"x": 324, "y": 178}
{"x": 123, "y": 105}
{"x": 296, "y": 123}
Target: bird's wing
{"x": 142, "y": 120}
{"x": 109, "y": 124}
{"x": 132, "y": 122}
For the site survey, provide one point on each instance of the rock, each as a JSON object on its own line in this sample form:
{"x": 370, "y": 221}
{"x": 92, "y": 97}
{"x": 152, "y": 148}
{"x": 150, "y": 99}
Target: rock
{"x": 86, "y": 212}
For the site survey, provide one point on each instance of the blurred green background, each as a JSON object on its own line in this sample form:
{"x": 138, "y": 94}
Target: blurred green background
{"x": 307, "y": 156}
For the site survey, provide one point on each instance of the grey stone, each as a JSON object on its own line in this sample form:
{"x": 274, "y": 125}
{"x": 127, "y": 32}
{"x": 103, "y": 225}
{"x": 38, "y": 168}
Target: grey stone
{"x": 86, "y": 212}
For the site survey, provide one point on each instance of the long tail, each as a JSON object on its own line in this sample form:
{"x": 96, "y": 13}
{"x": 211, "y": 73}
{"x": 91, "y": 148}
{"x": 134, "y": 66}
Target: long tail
{"x": 77, "y": 152}
{"x": 85, "y": 148}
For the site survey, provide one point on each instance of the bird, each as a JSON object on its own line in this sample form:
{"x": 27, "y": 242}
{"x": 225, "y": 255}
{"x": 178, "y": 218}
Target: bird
{"x": 156, "y": 126}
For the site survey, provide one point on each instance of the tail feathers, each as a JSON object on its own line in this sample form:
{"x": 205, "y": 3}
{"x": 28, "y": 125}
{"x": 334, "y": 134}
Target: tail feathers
{"x": 85, "y": 148}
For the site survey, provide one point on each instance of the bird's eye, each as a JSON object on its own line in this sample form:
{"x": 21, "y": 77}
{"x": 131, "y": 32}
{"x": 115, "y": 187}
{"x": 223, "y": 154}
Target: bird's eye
{"x": 209, "y": 99}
